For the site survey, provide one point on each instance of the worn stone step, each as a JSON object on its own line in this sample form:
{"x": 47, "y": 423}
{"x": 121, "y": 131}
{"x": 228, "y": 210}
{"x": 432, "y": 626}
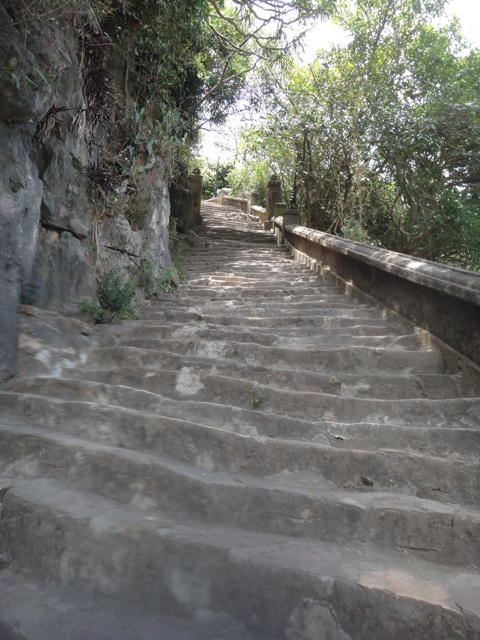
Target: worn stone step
{"x": 268, "y": 312}
{"x": 260, "y": 291}
{"x": 325, "y": 341}
{"x": 391, "y": 470}
{"x": 223, "y": 316}
{"x": 323, "y": 358}
{"x": 235, "y": 401}
{"x": 257, "y": 288}
{"x": 286, "y": 504}
{"x": 240, "y": 304}
{"x": 129, "y": 429}
{"x": 148, "y": 330}
{"x": 446, "y": 441}
{"x": 435, "y": 386}
{"x": 33, "y": 610}
{"x": 363, "y": 384}
{"x": 159, "y": 563}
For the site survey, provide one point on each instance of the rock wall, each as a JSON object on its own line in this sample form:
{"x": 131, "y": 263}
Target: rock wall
{"x": 53, "y": 241}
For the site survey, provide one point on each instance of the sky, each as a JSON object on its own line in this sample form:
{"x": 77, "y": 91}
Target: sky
{"x": 220, "y": 144}
{"x": 467, "y": 11}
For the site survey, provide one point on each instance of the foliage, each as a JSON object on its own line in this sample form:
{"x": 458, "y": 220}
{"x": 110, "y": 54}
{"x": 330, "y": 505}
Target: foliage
{"x": 250, "y": 177}
{"x": 168, "y": 281}
{"x": 352, "y": 230}
{"x": 114, "y": 299}
{"x": 146, "y": 277}
{"x": 257, "y": 399}
{"x": 29, "y": 294}
{"x": 50, "y": 124}
{"x": 214, "y": 174}
{"x": 381, "y": 136}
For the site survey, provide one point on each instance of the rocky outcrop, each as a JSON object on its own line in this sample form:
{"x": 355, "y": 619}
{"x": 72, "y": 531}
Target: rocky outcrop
{"x": 53, "y": 242}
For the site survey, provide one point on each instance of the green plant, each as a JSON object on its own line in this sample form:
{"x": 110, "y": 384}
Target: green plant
{"x": 29, "y": 294}
{"x": 257, "y": 399}
{"x": 114, "y": 299}
{"x": 16, "y": 77}
{"x": 168, "y": 281}
{"x": 353, "y": 230}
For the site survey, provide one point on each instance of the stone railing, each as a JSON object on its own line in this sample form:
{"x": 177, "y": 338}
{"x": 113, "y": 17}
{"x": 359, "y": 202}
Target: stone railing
{"x": 249, "y": 205}
{"x": 223, "y": 197}
{"x": 443, "y": 300}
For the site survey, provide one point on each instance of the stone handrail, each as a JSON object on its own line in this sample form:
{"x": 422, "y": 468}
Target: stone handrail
{"x": 223, "y": 197}
{"x": 260, "y": 212}
{"x": 443, "y": 300}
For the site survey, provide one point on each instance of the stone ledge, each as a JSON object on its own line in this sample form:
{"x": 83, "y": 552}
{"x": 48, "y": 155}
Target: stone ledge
{"x": 449, "y": 280}
{"x": 442, "y": 300}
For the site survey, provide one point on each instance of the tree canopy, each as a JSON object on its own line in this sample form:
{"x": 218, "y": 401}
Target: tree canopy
{"x": 381, "y": 137}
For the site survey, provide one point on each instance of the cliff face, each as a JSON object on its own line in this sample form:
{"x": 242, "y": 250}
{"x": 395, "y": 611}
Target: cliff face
{"x": 55, "y": 241}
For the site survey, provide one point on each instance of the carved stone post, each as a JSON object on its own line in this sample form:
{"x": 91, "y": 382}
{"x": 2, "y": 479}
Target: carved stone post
{"x": 279, "y": 209}
{"x": 195, "y": 181}
{"x": 291, "y": 216}
{"x": 253, "y": 200}
{"x": 274, "y": 194}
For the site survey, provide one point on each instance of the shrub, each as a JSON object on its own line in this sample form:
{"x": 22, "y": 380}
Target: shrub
{"x": 114, "y": 299}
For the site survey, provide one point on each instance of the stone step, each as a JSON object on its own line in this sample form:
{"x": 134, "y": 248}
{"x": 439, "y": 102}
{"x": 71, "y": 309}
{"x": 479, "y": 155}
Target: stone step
{"x": 326, "y": 341}
{"x": 238, "y": 302}
{"x": 336, "y": 372}
{"x": 163, "y": 564}
{"x": 148, "y": 329}
{"x": 287, "y": 504}
{"x": 330, "y": 359}
{"x": 224, "y": 316}
{"x": 276, "y": 275}
{"x": 34, "y": 610}
{"x": 268, "y": 312}
{"x": 434, "y": 386}
{"x": 250, "y": 403}
{"x": 259, "y": 452}
{"x": 257, "y": 287}
{"x": 451, "y": 442}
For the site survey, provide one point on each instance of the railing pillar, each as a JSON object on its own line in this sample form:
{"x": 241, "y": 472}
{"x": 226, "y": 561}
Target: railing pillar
{"x": 253, "y": 201}
{"x": 291, "y": 216}
{"x": 274, "y": 195}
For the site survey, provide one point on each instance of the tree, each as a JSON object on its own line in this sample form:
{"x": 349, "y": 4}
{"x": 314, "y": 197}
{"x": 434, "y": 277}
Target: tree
{"x": 382, "y": 135}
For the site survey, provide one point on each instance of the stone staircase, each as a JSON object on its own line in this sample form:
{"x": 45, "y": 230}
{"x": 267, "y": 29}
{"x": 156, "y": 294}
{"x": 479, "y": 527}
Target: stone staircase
{"x": 259, "y": 456}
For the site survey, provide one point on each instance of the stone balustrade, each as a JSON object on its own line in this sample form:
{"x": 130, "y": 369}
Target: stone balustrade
{"x": 443, "y": 300}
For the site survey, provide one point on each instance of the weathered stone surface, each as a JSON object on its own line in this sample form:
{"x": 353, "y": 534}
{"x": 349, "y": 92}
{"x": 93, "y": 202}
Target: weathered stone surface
{"x": 441, "y": 299}
{"x": 20, "y": 105}
{"x": 20, "y": 198}
{"x": 9, "y": 294}
{"x": 156, "y": 237}
{"x": 53, "y": 247}
{"x": 116, "y": 233}
{"x": 62, "y": 272}
{"x": 258, "y": 446}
